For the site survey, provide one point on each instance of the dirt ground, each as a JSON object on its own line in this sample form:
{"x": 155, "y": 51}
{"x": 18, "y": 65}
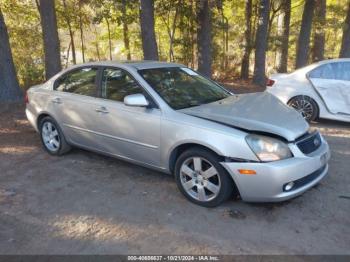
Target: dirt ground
{"x": 84, "y": 203}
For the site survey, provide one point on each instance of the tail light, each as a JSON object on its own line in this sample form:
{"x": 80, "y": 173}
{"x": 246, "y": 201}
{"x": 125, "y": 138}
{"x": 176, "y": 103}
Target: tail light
{"x": 26, "y": 99}
{"x": 270, "y": 82}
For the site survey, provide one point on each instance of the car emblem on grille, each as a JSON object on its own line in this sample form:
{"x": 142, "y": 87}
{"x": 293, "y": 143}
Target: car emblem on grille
{"x": 316, "y": 142}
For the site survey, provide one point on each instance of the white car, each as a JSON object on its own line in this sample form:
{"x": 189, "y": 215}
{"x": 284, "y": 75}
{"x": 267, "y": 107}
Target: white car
{"x": 320, "y": 90}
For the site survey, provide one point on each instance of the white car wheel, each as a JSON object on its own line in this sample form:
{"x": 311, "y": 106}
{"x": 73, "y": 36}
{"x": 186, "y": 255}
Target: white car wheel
{"x": 306, "y": 106}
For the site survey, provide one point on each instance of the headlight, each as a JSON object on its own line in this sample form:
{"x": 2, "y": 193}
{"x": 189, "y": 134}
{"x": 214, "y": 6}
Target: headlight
{"x": 268, "y": 148}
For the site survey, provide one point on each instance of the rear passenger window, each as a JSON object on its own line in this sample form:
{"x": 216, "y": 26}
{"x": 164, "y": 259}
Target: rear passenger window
{"x": 117, "y": 84}
{"x": 335, "y": 71}
{"x": 81, "y": 81}
{"x": 324, "y": 71}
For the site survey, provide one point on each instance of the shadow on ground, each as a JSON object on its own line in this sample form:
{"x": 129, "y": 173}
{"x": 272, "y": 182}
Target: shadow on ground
{"x": 84, "y": 203}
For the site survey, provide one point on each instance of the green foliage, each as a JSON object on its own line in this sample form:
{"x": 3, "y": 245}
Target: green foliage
{"x": 23, "y": 24}
{"x": 175, "y": 26}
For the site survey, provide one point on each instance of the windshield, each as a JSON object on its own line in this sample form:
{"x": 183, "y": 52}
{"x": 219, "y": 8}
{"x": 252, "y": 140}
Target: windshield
{"x": 182, "y": 87}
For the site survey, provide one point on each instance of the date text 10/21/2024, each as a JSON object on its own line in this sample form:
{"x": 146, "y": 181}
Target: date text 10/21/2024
{"x": 173, "y": 258}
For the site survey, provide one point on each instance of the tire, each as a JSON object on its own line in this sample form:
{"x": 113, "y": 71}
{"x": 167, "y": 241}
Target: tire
{"x": 52, "y": 137}
{"x": 202, "y": 178}
{"x": 306, "y": 106}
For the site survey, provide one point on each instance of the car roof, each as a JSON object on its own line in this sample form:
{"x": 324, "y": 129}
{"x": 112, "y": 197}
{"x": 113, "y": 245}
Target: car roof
{"x": 141, "y": 64}
{"x": 308, "y": 68}
{"x": 333, "y": 60}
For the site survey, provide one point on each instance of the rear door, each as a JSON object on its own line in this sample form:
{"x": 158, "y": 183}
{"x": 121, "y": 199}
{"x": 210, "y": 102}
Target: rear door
{"x": 126, "y": 131}
{"x": 74, "y": 105}
{"x": 332, "y": 82}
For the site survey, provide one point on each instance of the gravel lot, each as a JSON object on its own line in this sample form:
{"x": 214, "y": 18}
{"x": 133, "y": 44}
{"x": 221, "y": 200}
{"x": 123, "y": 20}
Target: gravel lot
{"x": 84, "y": 203}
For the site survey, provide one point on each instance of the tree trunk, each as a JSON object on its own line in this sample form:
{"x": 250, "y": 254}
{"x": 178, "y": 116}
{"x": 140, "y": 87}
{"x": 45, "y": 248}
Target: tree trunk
{"x": 67, "y": 55}
{"x": 82, "y": 40}
{"x": 204, "y": 37}
{"x": 172, "y": 32}
{"x": 248, "y": 40}
{"x": 50, "y": 37}
{"x": 160, "y": 53}
{"x": 149, "y": 43}
{"x": 109, "y": 40}
{"x": 319, "y": 36}
{"x": 259, "y": 77}
{"x": 96, "y": 44}
{"x": 193, "y": 32}
{"x": 224, "y": 28}
{"x": 272, "y": 15}
{"x": 226, "y": 43}
{"x": 71, "y": 33}
{"x": 126, "y": 31}
{"x": 172, "y": 28}
{"x": 282, "y": 65}
{"x": 9, "y": 87}
{"x": 98, "y": 51}
{"x": 345, "y": 44}
{"x": 81, "y": 33}
{"x": 37, "y": 5}
{"x": 185, "y": 35}
{"x": 304, "y": 36}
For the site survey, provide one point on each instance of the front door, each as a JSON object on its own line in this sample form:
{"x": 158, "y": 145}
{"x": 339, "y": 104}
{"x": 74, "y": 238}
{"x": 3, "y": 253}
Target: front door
{"x": 129, "y": 132}
{"x": 332, "y": 82}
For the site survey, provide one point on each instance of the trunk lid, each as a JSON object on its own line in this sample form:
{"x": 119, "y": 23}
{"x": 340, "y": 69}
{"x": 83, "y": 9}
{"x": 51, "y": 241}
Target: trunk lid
{"x": 278, "y": 76}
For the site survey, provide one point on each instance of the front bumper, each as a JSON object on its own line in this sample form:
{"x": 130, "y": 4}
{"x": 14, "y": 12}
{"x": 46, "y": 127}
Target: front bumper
{"x": 268, "y": 182}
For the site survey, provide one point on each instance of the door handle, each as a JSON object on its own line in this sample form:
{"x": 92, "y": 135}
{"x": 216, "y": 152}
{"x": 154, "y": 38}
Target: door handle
{"x": 57, "y": 100}
{"x": 102, "y": 109}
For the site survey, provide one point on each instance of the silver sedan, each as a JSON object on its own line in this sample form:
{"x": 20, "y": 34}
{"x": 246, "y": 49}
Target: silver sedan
{"x": 168, "y": 117}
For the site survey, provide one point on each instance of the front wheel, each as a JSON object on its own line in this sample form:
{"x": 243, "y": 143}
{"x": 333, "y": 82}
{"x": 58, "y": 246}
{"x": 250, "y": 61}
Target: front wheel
{"x": 201, "y": 178}
{"x": 306, "y": 106}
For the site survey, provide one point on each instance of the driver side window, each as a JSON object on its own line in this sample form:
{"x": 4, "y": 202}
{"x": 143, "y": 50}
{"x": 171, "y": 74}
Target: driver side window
{"x": 342, "y": 71}
{"x": 117, "y": 84}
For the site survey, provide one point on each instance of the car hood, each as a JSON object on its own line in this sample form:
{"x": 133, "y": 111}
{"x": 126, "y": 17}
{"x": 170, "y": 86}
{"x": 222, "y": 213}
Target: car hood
{"x": 259, "y": 112}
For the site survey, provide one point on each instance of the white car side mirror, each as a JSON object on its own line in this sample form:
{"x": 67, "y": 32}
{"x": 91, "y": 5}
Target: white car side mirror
{"x": 136, "y": 100}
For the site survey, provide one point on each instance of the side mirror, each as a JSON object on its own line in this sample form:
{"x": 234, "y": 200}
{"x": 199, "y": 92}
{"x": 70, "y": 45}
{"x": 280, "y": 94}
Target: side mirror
{"x": 136, "y": 100}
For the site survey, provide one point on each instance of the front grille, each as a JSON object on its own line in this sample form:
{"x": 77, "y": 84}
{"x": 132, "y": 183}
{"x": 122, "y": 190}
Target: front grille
{"x": 306, "y": 179}
{"x": 310, "y": 144}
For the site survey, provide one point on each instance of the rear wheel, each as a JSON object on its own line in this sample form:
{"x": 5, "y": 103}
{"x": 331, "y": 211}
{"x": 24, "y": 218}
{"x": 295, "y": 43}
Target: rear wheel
{"x": 306, "y": 106}
{"x": 202, "y": 179}
{"x": 52, "y": 137}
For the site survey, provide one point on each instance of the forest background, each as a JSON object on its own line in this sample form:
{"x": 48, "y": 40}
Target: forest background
{"x": 223, "y": 39}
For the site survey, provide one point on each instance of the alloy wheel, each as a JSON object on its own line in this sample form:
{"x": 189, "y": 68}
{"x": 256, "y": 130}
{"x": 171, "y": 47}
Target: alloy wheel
{"x": 50, "y": 136}
{"x": 304, "y": 107}
{"x": 200, "y": 179}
